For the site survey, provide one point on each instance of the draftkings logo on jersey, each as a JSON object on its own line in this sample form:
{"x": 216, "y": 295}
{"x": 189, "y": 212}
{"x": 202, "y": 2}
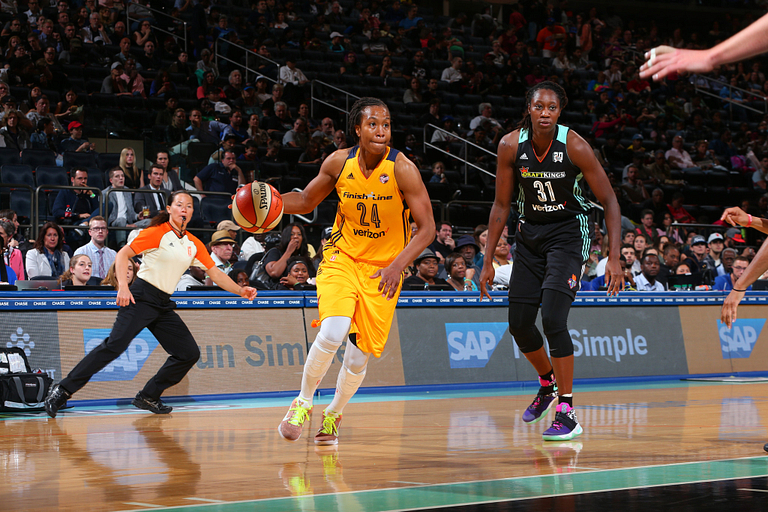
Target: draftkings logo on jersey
{"x": 130, "y": 362}
{"x": 471, "y": 345}
{"x": 738, "y": 341}
{"x": 525, "y": 172}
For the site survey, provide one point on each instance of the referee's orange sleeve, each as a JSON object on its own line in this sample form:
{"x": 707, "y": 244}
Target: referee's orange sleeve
{"x": 149, "y": 238}
{"x": 202, "y": 253}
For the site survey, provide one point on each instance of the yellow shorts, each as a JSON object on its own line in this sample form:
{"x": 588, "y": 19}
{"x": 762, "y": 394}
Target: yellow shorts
{"x": 345, "y": 288}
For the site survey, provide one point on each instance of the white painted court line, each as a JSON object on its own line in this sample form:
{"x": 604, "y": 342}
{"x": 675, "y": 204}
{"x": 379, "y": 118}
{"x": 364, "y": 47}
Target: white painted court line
{"x": 404, "y": 482}
{"x": 751, "y": 490}
{"x": 148, "y": 505}
{"x": 206, "y": 500}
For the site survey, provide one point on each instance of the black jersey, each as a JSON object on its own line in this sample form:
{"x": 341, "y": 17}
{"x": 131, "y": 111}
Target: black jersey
{"x": 548, "y": 186}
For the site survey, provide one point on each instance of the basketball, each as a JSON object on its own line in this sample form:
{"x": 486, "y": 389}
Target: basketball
{"x": 257, "y": 207}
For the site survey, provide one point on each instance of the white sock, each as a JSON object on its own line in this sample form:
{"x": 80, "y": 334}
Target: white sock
{"x": 346, "y": 386}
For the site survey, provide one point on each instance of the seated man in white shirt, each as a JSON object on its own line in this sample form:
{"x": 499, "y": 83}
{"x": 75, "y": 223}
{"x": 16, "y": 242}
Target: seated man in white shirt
{"x": 100, "y": 255}
{"x": 646, "y": 281}
{"x": 194, "y": 276}
{"x": 677, "y": 157}
{"x": 295, "y": 81}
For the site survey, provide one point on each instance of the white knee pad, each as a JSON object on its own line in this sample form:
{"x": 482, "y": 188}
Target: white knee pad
{"x": 335, "y": 329}
{"x": 355, "y": 360}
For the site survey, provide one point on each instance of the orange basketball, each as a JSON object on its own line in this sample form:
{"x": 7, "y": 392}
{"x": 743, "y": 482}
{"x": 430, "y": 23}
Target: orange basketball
{"x": 257, "y": 207}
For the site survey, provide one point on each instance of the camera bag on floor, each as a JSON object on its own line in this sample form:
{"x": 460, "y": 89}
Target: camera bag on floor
{"x": 20, "y": 389}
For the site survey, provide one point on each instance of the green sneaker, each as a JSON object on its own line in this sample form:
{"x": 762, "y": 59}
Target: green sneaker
{"x": 290, "y": 427}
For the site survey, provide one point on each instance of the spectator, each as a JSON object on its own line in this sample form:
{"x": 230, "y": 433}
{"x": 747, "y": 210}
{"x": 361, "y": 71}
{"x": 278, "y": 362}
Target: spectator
{"x": 677, "y": 157}
{"x": 234, "y": 90}
{"x": 485, "y": 120}
{"x": 416, "y": 68}
{"x": 671, "y": 261}
{"x": 47, "y": 258}
{"x": 125, "y": 51}
{"x": 294, "y": 81}
{"x": 75, "y": 207}
{"x": 433, "y": 114}
{"x": 281, "y": 121}
{"x": 11, "y": 255}
{"x": 646, "y": 280}
{"x": 697, "y": 258}
{"x": 716, "y": 244}
{"x": 325, "y": 130}
{"x": 42, "y": 109}
{"x": 171, "y": 181}
{"x": 134, "y": 80}
{"x": 79, "y": 273}
{"x": 293, "y": 244}
{"x": 165, "y": 116}
{"x": 45, "y": 138}
{"x": 76, "y": 142}
{"x": 726, "y": 281}
{"x": 144, "y": 34}
{"x": 432, "y": 93}
{"x": 222, "y": 248}
{"x": 149, "y": 59}
{"x": 7, "y": 274}
{"x": 467, "y": 247}
{"x": 176, "y": 134}
{"x": 550, "y": 39}
{"x": 194, "y": 276}
{"x": 96, "y": 250}
{"x": 221, "y": 177}
{"x": 255, "y": 133}
{"x": 111, "y": 279}
{"x": 114, "y": 83}
{"x": 161, "y": 86}
{"x": 438, "y": 173}
{"x": 247, "y": 102}
{"x": 647, "y": 225}
{"x": 297, "y": 137}
{"x": 444, "y": 243}
{"x": 339, "y": 142}
{"x": 120, "y": 205}
{"x": 313, "y": 154}
{"x": 148, "y": 204}
{"x": 95, "y": 32}
{"x": 350, "y": 65}
{"x": 678, "y": 212}
{"x": 268, "y": 107}
{"x": 296, "y": 275}
{"x": 235, "y": 127}
{"x": 134, "y": 177}
{"x": 198, "y": 130}
{"x": 734, "y": 237}
{"x": 426, "y": 275}
{"x": 209, "y": 84}
{"x": 453, "y": 73}
{"x": 413, "y": 93}
{"x": 456, "y": 269}
{"x": 759, "y": 176}
{"x": 12, "y": 134}
{"x": 375, "y": 45}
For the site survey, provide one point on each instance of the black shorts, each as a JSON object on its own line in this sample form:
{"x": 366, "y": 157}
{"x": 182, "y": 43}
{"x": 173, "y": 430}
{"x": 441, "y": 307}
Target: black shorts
{"x": 549, "y": 256}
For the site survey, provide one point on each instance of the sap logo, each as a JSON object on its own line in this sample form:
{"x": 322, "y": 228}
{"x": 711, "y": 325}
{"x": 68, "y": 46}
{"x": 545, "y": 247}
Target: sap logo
{"x": 130, "y": 362}
{"x": 738, "y": 341}
{"x": 472, "y": 345}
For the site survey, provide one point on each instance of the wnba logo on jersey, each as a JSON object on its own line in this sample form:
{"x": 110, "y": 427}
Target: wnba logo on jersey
{"x": 557, "y": 156}
{"x": 130, "y": 362}
{"x": 472, "y": 345}
{"x": 738, "y": 341}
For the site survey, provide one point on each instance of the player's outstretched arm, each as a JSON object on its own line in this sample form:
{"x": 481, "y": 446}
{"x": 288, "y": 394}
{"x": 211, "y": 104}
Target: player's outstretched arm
{"x": 755, "y": 269}
{"x": 317, "y": 189}
{"x": 664, "y": 60}
{"x": 505, "y": 184}
{"x": 581, "y": 154}
{"x": 737, "y": 217}
{"x": 416, "y": 196}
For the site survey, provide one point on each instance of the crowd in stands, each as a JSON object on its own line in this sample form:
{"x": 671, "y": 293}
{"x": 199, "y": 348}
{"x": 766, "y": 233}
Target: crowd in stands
{"x": 680, "y": 149}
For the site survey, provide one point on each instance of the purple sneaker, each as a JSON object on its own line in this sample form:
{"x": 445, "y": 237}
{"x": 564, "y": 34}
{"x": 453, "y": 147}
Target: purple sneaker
{"x": 565, "y": 426}
{"x": 539, "y": 408}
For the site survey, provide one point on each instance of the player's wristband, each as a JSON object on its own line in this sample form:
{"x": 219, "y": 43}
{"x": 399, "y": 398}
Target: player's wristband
{"x": 740, "y": 291}
{"x": 750, "y": 220}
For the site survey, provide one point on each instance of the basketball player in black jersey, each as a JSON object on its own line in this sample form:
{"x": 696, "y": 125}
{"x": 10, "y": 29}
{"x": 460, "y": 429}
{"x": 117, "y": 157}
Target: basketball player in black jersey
{"x": 539, "y": 166}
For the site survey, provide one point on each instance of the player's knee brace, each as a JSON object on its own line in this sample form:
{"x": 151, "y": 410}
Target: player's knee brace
{"x": 554, "y": 319}
{"x": 355, "y": 360}
{"x": 522, "y": 326}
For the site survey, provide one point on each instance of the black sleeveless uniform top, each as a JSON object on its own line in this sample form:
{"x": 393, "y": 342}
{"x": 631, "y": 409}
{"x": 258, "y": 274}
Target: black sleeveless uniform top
{"x": 548, "y": 185}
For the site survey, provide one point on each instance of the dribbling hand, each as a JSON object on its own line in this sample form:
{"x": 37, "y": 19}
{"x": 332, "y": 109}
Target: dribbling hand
{"x": 735, "y": 216}
{"x": 731, "y": 303}
{"x": 664, "y": 60}
{"x": 486, "y": 281}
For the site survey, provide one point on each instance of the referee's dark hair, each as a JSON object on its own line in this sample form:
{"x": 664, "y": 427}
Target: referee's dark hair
{"x": 163, "y": 215}
{"x": 356, "y": 112}
{"x": 525, "y": 123}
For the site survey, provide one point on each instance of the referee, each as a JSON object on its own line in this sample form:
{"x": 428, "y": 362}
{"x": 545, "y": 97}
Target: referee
{"x": 168, "y": 251}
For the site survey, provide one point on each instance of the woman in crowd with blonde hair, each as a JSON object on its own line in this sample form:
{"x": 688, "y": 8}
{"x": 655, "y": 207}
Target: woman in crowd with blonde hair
{"x": 134, "y": 178}
{"x": 111, "y": 279}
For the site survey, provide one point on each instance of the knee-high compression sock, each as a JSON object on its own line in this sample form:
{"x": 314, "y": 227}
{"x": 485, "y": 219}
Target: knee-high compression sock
{"x": 332, "y": 332}
{"x": 350, "y": 377}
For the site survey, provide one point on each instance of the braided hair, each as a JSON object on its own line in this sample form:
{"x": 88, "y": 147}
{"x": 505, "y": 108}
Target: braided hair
{"x": 525, "y": 123}
{"x": 356, "y": 112}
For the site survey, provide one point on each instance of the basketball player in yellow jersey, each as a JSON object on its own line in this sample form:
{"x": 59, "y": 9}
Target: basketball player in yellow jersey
{"x": 359, "y": 279}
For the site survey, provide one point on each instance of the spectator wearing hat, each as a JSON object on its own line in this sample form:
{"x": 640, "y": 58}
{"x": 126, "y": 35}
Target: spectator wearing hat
{"x": 114, "y": 83}
{"x": 734, "y": 237}
{"x": 697, "y": 259}
{"x": 716, "y": 244}
{"x": 221, "y": 177}
{"x": 426, "y": 276}
{"x": 467, "y": 247}
{"x": 725, "y": 282}
{"x": 646, "y": 280}
{"x": 248, "y": 103}
{"x": 335, "y": 44}
{"x": 227, "y": 144}
{"x": 222, "y": 248}
{"x": 448, "y": 133}
{"x": 550, "y": 39}
{"x": 76, "y": 141}
{"x": 637, "y": 144}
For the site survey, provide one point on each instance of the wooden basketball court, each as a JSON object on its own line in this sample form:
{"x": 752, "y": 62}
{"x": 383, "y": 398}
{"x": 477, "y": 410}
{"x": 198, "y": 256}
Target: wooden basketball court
{"x": 461, "y": 450}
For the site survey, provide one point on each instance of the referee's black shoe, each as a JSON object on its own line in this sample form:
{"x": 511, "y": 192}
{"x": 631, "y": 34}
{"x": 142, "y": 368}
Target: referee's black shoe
{"x": 56, "y": 399}
{"x": 155, "y": 406}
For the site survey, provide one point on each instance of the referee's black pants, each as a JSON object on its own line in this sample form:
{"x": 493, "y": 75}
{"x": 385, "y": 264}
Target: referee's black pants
{"x": 154, "y": 310}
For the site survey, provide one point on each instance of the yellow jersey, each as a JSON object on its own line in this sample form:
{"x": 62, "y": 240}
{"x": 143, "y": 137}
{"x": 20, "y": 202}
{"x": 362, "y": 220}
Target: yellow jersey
{"x": 372, "y": 221}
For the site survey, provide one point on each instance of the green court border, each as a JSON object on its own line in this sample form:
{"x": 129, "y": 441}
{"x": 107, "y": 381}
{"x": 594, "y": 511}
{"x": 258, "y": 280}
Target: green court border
{"x": 493, "y": 491}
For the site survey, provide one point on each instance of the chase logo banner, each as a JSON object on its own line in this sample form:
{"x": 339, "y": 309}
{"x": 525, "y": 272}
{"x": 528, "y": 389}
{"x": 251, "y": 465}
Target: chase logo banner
{"x": 738, "y": 341}
{"x": 471, "y": 345}
{"x": 130, "y": 362}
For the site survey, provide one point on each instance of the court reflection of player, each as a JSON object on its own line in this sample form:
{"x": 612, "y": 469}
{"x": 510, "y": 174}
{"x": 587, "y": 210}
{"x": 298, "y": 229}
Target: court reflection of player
{"x": 541, "y": 164}
{"x": 359, "y": 279}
